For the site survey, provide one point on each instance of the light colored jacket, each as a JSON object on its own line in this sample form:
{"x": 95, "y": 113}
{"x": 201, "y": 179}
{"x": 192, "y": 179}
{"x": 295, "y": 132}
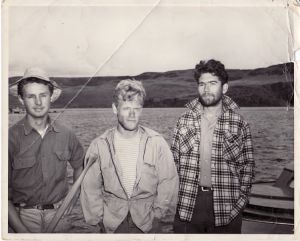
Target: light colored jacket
{"x": 154, "y": 196}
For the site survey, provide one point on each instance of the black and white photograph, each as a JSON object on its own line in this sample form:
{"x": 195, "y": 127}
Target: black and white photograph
{"x": 159, "y": 118}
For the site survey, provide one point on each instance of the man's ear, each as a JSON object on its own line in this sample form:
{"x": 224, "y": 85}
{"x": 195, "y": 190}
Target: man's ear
{"x": 20, "y": 99}
{"x": 115, "y": 109}
{"x": 225, "y": 88}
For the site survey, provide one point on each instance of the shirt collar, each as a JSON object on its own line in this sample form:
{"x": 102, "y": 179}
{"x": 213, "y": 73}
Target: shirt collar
{"x": 28, "y": 128}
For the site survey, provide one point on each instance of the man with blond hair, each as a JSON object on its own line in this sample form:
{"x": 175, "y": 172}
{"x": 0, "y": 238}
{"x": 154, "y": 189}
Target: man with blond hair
{"x": 132, "y": 186}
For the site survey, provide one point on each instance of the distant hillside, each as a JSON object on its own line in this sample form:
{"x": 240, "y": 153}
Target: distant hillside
{"x": 271, "y": 86}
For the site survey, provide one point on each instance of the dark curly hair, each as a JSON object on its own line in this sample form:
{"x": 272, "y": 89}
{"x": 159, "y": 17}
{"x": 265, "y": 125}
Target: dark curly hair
{"x": 213, "y": 67}
{"x": 33, "y": 80}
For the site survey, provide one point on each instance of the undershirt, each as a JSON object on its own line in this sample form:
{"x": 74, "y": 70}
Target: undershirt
{"x": 208, "y": 122}
{"x": 43, "y": 132}
{"x": 127, "y": 151}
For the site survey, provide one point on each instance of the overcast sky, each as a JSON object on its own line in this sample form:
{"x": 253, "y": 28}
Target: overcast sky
{"x": 129, "y": 39}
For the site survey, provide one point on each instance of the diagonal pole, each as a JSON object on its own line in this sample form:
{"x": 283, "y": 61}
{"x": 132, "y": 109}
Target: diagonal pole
{"x": 69, "y": 197}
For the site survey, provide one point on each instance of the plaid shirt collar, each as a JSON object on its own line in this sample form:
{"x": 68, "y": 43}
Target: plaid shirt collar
{"x": 227, "y": 104}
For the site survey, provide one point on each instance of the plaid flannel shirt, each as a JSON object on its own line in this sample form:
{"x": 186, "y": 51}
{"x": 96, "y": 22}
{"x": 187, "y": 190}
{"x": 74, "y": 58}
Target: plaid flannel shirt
{"x": 232, "y": 163}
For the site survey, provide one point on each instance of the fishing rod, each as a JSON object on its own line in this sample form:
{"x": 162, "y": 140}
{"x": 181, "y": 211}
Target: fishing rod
{"x": 65, "y": 204}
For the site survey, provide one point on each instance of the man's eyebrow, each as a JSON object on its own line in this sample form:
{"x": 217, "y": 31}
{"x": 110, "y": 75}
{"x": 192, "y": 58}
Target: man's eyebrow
{"x": 209, "y": 81}
{"x": 28, "y": 94}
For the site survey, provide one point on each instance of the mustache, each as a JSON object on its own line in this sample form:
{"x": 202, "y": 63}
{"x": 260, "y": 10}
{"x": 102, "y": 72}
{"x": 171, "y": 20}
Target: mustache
{"x": 208, "y": 94}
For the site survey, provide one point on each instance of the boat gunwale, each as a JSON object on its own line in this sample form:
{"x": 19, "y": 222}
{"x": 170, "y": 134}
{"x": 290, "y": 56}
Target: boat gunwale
{"x": 266, "y": 221}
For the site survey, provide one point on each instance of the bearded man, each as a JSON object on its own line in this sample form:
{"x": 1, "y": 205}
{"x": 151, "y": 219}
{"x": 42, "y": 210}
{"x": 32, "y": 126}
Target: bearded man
{"x": 212, "y": 148}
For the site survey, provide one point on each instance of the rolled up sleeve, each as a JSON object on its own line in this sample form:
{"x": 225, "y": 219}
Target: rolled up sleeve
{"x": 77, "y": 152}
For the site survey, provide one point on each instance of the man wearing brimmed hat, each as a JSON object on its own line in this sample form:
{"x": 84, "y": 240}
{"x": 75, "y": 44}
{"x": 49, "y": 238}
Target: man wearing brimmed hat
{"x": 38, "y": 153}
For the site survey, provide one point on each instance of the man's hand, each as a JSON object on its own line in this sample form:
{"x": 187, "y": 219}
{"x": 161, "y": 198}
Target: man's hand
{"x": 14, "y": 219}
{"x": 76, "y": 174}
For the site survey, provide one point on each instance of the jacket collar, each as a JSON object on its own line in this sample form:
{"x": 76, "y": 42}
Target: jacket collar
{"x": 227, "y": 104}
{"x": 108, "y": 136}
{"x": 28, "y": 128}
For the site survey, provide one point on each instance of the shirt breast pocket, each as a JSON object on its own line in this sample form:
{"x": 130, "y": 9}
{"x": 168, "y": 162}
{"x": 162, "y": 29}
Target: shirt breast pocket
{"x": 232, "y": 149}
{"x": 232, "y": 146}
{"x": 24, "y": 171}
{"x": 23, "y": 162}
{"x": 188, "y": 140}
{"x": 62, "y": 157}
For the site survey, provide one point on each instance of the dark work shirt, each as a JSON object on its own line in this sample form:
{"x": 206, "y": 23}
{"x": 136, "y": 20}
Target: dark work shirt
{"x": 37, "y": 167}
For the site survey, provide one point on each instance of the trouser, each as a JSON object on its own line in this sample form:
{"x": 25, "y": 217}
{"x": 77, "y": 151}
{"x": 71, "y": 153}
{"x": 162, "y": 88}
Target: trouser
{"x": 203, "y": 220}
{"x": 128, "y": 226}
{"x": 36, "y": 220}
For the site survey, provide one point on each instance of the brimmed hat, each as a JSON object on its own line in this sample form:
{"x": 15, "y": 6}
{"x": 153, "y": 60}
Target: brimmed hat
{"x": 35, "y": 72}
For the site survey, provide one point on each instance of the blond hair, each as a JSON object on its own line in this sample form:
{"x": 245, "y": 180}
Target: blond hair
{"x": 127, "y": 89}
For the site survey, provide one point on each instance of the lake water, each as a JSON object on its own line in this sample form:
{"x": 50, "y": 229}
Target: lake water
{"x": 272, "y": 131}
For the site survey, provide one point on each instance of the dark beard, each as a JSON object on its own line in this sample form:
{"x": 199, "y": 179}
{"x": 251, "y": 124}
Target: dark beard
{"x": 213, "y": 103}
